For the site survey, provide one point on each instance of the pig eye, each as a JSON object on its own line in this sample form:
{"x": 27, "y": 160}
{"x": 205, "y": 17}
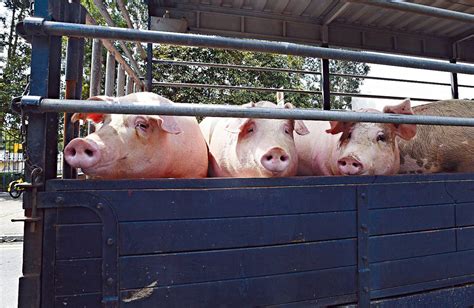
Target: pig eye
{"x": 141, "y": 125}
{"x": 250, "y": 130}
{"x": 287, "y": 130}
{"x": 381, "y": 137}
{"x": 349, "y": 135}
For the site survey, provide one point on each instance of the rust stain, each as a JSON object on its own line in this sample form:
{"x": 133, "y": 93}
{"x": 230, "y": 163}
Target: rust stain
{"x": 141, "y": 294}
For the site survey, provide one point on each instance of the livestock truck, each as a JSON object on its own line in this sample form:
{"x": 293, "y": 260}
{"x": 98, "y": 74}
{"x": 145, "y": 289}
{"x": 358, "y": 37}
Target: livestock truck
{"x": 385, "y": 241}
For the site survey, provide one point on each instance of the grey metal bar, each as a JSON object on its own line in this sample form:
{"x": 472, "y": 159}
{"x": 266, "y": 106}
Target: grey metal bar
{"x": 111, "y": 48}
{"x": 110, "y": 74}
{"x": 325, "y": 83}
{"x": 129, "y": 85}
{"x": 120, "y": 81}
{"x": 218, "y": 86}
{"x": 149, "y": 61}
{"x": 59, "y": 105}
{"x": 454, "y": 82}
{"x": 126, "y": 16}
{"x": 234, "y": 66}
{"x": 286, "y": 70}
{"x": 400, "y": 80}
{"x": 40, "y": 26}
{"x": 108, "y": 19}
{"x": 419, "y": 9}
{"x": 261, "y": 89}
{"x": 96, "y": 67}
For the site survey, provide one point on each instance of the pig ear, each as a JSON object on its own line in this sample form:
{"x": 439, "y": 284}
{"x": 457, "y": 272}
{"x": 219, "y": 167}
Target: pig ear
{"x": 405, "y": 131}
{"x": 167, "y": 123}
{"x": 235, "y": 126}
{"x": 339, "y": 127}
{"x": 300, "y": 127}
{"x": 95, "y": 117}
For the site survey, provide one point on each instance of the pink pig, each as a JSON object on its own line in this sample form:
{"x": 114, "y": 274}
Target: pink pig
{"x": 139, "y": 146}
{"x": 242, "y": 147}
{"x": 348, "y": 148}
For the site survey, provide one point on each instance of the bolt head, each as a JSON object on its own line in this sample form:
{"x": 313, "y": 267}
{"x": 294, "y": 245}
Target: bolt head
{"x": 59, "y": 200}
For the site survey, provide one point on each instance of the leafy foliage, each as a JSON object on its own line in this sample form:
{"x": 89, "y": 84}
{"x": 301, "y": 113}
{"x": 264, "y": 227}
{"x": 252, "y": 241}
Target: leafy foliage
{"x": 15, "y": 73}
{"x": 236, "y": 77}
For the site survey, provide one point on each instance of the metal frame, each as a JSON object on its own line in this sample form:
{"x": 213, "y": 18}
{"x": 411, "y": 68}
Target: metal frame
{"x": 36, "y": 104}
{"x": 43, "y": 104}
{"x": 39, "y": 26}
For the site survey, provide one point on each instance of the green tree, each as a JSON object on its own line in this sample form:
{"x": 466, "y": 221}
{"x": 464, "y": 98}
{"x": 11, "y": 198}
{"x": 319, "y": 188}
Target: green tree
{"x": 14, "y": 78}
{"x": 211, "y": 75}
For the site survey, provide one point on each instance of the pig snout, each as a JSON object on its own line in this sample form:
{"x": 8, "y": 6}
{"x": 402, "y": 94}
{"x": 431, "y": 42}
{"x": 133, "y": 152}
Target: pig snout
{"x": 82, "y": 153}
{"x": 275, "y": 160}
{"x": 350, "y": 165}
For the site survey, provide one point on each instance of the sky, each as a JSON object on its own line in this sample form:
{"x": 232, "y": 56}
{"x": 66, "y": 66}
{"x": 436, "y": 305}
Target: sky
{"x": 408, "y": 90}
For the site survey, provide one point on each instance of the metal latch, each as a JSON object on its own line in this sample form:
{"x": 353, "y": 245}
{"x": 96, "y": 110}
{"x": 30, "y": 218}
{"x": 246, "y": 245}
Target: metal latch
{"x": 33, "y": 187}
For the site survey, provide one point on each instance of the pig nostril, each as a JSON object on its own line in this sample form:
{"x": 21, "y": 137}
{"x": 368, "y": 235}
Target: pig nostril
{"x": 269, "y": 157}
{"x": 283, "y": 158}
{"x": 73, "y": 152}
{"x": 343, "y": 163}
{"x": 355, "y": 165}
{"x": 89, "y": 153}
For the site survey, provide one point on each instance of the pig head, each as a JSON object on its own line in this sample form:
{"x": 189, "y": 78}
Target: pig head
{"x": 349, "y": 148}
{"x": 139, "y": 146}
{"x": 241, "y": 147}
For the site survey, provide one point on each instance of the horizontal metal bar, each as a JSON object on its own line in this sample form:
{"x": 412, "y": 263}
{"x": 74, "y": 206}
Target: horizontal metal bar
{"x": 419, "y": 9}
{"x": 229, "y": 87}
{"x": 261, "y": 89}
{"x": 233, "y": 66}
{"x": 58, "y": 105}
{"x": 38, "y": 26}
{"x": 287, "y": 70}
{"x": 400, "y": 80}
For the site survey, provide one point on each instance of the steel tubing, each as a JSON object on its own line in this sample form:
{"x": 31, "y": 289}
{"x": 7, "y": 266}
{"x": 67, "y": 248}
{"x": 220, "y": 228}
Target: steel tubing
{"x": 38, "y": 26}
{"x": 84, "y": 106}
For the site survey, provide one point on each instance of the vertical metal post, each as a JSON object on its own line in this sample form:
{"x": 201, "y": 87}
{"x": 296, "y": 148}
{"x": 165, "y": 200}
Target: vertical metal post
{"x": 110, "y": 75}
{"x": 129, "y": 87}
{"x": 149, "y": 62}
{"x": 454, "y": 82}
{"x": 41, "y": 151}
{"x": 96, "y": 68}
{"x": 74, "y": 66}
{"x": 325, "y": 83}
{"x": 363, "y": 267}
{"x": 121, "y": 81}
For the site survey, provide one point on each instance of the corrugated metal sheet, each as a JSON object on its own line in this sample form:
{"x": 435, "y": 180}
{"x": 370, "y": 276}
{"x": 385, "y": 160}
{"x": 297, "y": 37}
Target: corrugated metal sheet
{"x": 349, "y": 24}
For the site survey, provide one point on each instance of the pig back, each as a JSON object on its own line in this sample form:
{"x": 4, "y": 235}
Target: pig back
{"x": 438, "y": 148}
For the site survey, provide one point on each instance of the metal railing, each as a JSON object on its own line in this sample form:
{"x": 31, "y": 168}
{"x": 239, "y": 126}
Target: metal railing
{"x": 39, "y": 26}
{"x": 36, "y": 104}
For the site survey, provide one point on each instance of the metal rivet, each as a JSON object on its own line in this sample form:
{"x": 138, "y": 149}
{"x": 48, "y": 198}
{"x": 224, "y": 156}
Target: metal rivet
{"x": 99, "y": 206}
{"x": 110, "y": 241}
{"x": 110, "y": 281}
{"x": 366, "y": 289}
{"x": 59, "y": 200}
{"x": 363, "y": 227}
{"x": 362, "y": 195}
{"x": 364, "y": 258}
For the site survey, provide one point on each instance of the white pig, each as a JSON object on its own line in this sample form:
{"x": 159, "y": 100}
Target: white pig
{"x": 349, "y": 148}
{"x": 241, "y": 147}
{"x": 139, "y": 146}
